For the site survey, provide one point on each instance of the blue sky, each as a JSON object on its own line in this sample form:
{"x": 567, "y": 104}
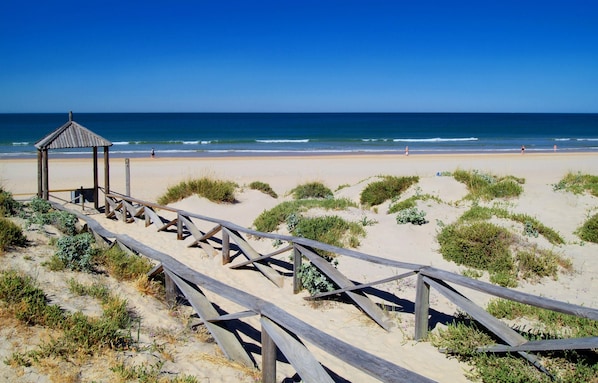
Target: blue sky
{"x": 299, "y": 56}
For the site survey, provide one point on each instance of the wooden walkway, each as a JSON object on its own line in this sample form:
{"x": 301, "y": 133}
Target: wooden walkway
{"x": 224, "y": 237}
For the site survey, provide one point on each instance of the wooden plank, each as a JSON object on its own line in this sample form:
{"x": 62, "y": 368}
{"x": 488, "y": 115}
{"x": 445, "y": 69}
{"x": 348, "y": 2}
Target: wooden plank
{"x": 197, "y": 234}
{"x": 226, "y": 339}
{"x": 306, "y": 365}
{"x": 297, "y": 261}
{"x": 239, "y": 315}
{"x": 494, "y": 325}
{"x": 373, "y": 365}
{"x": 206, "y": 236}
{"x": 502, "y": 292}
{"x": 422, "y": 308}
{"x": 360, "y": 286}
{"x": 154, "y": 218}
{"x": 250, "y": 253}
{"x": 269, "y": 355}
{"x": 588, "y": 343}
{"x": 262, "y": 257}
{"x": 128, "y": 207}
{"x": 337, "y": 277}
{"x": 155, "y": 271}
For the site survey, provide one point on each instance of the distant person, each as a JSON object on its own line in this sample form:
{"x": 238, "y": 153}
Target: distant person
{"x": 554, "y": 147}
{"x": 522, "y": 149}
{"x": 406, "y": 150}
{"x": 153, "y": 153}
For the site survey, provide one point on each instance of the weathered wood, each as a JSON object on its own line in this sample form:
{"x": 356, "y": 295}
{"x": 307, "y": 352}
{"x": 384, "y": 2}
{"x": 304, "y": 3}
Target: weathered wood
{"x": 269, "y": 351}
{"x": 297, "y": 261}
{"x": 170, "y": 290}
{"x": 239, "y": 315}
{"x": 494, "y": 325}
{"x": 125, "y": 248}
{"x": 225, "y": 248}
{"x": 361, "y": 286}
{"x": 373, "y": 365}
{"x": 250, "y": 253}
{"x": 197, "y": 234}
{"x": 154, "y": 218}
{"x": 422, "y": 308}
{"x": 226, "y": 339}
{"x": 262, "y": 257}
{"x": 337, "y": 277}
{"x": 155, "y": 271}
{"x": 513, "y": 295}
{"x": 588, "y": 343}
{"x": 308, "y": 368}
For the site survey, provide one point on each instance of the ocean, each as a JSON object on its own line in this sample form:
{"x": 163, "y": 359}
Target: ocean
{"x": 228, "y": 134}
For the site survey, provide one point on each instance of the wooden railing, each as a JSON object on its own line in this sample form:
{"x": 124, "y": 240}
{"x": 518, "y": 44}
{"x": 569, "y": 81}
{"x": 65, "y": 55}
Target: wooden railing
{"x": 187, "y": 224}
{"x": 279, "y": 329}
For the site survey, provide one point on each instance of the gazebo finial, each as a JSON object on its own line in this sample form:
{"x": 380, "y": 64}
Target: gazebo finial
{"x": 71, "y": 115}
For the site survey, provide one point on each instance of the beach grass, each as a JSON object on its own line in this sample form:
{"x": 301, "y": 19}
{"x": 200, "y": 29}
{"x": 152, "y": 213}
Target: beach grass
{"x": 264, "y": 188}
{"x": 214, "y": 190}
{"x": 311, "y": 190}
{"x": 387, "y": 188}
{"x": 486, "y": 186}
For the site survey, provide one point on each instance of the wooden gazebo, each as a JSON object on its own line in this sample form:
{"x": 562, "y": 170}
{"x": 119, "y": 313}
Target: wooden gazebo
{"x": 71, "y": 135}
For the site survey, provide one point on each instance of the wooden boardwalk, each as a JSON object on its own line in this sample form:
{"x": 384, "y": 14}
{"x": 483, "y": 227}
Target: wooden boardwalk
{"x": 283, "y": 331}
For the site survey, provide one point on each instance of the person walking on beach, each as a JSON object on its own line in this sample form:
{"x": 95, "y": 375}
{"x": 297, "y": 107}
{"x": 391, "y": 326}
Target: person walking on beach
{"x": 522, "y": 149}
{"x": 153, "y": 153}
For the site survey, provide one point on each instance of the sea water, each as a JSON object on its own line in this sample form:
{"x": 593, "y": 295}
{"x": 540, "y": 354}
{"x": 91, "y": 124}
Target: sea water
{"x": 223, "y": 134}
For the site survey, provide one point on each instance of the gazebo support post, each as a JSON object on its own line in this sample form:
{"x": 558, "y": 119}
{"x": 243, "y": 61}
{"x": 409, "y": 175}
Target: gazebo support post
{"x": 45, "y": 175}
{"x": 106, "y": 175}
{"x": 95, "y": 177}
{"x": 39, "y": 174}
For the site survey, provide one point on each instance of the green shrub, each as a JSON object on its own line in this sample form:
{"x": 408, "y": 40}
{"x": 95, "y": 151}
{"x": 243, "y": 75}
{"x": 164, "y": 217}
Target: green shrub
{"x": 311, "y": 190}
{"x": 39, "y": 205}
{"x": 402, "y": 205}
{"x": 76, "y": 252}
{"x": 578, "y": 183}
{"x": 531, "y": 225}
{"x": 8, "y": 205}
{"x": 264, "y": 188}
{"x": 214, "y": 190}
{"x": 589, "y": 230}
{"x": 123, "y": 266}
{"x": 27, "y": 301}
{"x": 313, "y": 280}
{"x": 487, "y": 186}
{"x": 412, "y": 215}
{"x": 479, "y": 245}
{"x": 269, "y": 220}
{"x": 10, "y": 235}
{"x": 389, "y": 187}
{"x": 332, "y": 230}
{"x": 64, "y": 221}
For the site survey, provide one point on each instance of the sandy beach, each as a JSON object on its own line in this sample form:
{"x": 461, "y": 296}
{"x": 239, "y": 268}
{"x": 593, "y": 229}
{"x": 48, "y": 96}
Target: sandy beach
{"x": 150, "y": 178}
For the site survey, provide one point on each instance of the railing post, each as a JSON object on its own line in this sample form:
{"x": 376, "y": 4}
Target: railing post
{"x": 269, "y": 351}
{"x": 297, "y": 285}
{"x": 225, "y": 247}
{"x": 170, "y": 290}
{"x": 179, "y": 227}
{"x": 422, "y": 308}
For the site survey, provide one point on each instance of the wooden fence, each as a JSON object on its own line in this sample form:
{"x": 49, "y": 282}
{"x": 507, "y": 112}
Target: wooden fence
{"x": 223, "y": 237}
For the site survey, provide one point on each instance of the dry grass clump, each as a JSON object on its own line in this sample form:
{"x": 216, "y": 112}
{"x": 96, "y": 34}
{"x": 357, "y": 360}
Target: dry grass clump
{"x": 214, "y": 190}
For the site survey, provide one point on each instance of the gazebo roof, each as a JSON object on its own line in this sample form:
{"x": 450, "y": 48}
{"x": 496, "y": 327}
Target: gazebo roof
{"x": 71, "y": 135}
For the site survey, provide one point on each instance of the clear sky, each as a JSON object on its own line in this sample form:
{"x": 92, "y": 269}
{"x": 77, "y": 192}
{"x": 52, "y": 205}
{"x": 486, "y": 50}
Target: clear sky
{"x": 299, "y": 56}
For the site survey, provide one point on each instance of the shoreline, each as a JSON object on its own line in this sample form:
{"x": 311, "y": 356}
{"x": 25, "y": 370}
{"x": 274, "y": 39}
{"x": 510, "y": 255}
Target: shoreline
{"x": 275, "y": 153}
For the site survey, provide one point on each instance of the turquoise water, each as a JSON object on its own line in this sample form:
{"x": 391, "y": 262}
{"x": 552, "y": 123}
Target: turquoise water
{"x": 205, "y": 134}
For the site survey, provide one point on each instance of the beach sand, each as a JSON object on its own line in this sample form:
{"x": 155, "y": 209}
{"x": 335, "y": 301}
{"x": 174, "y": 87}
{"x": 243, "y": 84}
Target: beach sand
{"x": 150, "y": 178}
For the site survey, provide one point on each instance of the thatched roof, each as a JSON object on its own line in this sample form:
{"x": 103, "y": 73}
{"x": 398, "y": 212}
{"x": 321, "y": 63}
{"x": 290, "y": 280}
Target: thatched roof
{"x": 71, "y": 135}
